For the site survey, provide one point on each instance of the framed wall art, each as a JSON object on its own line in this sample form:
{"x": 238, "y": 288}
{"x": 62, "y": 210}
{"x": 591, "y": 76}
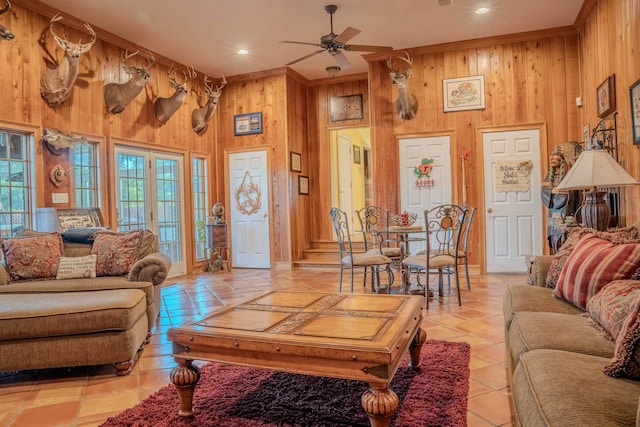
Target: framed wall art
{"x": 356, "y": 155}
{"x": 79, "y": 218}
{"x": 246, "y": 124}
{"x": 303, "y": 184}
{"x": 606, "y": 96}
{"x": 346, "y": 108}
{"x": 634, "y": 93}
{"x": 296, "y": 161}
{"x": 463, "y": 93}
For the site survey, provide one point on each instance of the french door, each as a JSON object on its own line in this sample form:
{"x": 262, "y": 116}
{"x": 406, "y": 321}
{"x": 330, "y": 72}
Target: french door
{"x": 149, "y": 196}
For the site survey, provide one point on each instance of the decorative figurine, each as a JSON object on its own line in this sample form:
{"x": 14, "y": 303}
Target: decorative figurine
{"x": 218, "y": 213}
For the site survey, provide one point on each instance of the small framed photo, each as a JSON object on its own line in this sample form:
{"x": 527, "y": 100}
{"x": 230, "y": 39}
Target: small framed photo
{"x": 607, "y": 96}
{"x": 346, "y": 108}
{"x": 303, "y": 184}
{"x": 296, "y": 162}
{"x": 463, "y": 93}
{"x": 356, "y": 155}
{"x": 634, "y": 93}
{"x": 246, "y": 124}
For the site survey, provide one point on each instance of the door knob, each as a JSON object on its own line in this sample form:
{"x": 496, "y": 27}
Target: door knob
{"x": 490, "y": 210}
{"x": 265, "y": 215}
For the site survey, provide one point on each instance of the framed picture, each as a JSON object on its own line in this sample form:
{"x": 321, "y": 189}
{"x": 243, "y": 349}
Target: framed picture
{"x": 296, "y": 162}
{"x": 607, "y": 96}
{"x": 79, "y": 218}
{"x": 464, "y": 93}
{"x": 634, "y": 93}
{"x": 246, "y": 124}
{"x": 356, "y": 155}
{"x": 303, "y": 184}
{"x": 346, "y": 108}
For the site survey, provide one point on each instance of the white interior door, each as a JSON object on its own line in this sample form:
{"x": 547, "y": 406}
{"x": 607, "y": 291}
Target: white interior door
{"x": 417, "y": 199}
{"x": 513, "y": 218}
{"x": 249, "y": 209}
{"x": 344, "y": 178}
{"x": 149, "y": 196}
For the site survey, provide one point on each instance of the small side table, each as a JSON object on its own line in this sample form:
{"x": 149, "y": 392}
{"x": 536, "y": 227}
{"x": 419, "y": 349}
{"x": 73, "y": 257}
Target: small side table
{"x": 218, "y": 245}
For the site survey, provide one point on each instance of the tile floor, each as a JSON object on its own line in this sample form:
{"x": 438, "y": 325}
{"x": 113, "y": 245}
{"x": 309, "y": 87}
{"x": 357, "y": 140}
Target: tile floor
{"x": 88, "y": 396}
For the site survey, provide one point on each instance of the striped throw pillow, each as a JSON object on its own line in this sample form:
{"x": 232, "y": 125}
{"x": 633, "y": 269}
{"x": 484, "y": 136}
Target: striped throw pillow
{"x": 593, "y": 263}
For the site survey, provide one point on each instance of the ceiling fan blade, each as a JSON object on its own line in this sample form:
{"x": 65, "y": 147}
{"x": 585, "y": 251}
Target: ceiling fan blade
{"x": 366, "y": 48}
{"x": 310, "y": 44}
{"x": 346, "y": 35}
{"x": 341, "y": 60}
{"x": 305, "y": 57}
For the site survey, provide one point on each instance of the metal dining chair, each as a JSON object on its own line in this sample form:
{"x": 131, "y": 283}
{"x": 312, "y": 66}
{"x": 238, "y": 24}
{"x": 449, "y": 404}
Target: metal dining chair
{"x": 444, "y": 226}
{"x": 371, "y": 263}
{"x": 462, "y": 250}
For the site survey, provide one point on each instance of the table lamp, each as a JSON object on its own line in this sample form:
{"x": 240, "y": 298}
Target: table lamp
{"x": 595, "y": 169}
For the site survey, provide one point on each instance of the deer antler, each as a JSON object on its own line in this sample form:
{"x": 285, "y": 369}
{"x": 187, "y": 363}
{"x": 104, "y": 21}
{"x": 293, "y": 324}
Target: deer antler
{"x": 6, "y": 8}
{"x": 126, "y": 56}
{"x": 64, "y": 43}
{"x": 222, "y": 84}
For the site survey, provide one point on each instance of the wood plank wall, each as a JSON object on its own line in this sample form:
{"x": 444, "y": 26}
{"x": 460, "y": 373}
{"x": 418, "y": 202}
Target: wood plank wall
{"x": 609, "y": 35}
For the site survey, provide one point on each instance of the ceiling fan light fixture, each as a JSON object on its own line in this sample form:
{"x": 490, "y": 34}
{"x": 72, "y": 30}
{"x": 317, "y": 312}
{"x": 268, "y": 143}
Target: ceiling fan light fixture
{"x": 333, "y": 70}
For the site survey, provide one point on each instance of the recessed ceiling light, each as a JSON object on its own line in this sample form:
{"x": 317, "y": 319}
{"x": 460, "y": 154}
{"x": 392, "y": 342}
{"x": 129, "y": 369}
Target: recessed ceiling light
{"x": 482, "y": 10}
{"x": 243, "y": 52}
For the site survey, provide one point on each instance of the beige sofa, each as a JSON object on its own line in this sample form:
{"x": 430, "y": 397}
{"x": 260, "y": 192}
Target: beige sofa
{"x": 81, "y": 321}
{"x": 556, "y": 356}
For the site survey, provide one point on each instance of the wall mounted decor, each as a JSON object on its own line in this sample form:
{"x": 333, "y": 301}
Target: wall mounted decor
{"x": 303, "y": 184}
{"x": 200, "y": 117}
{"x": 356, "y": 155}
{"x": 606, "y": 96}
{"x": 246, "y": 124}
{"x": 57, "y": 141}
{"x": 164, "y": 108}
{"x": 464, "y": 93}
{"x": 346, "y": 108}
{"x": 5, "y": 33}
{"x": 118, "y": 95}
{"x": 407, "y": 103}
{"x": 634, "y": 93}
{"x": 60, "y": 77}
{"x": 296, "y": 161}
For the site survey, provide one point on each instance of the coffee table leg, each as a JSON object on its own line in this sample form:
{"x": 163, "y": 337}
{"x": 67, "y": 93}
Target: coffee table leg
{"x": 184, "y": 378}
{"x": 380, "y": 403}
{"x": 415, "y": 347}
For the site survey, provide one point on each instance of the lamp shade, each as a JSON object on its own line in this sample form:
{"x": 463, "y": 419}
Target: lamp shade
{"x": 596, "y": 168}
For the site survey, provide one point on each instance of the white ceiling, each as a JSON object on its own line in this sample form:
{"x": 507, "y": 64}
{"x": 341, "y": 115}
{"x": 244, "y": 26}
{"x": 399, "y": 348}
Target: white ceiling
{"x": 207, "y": 33}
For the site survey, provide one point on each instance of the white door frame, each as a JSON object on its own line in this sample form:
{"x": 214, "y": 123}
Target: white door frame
{"x": 481, "y": 212}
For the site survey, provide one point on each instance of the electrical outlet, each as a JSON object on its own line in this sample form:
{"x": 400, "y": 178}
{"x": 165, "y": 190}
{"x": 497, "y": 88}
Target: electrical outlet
{"x": 60, "y": 197}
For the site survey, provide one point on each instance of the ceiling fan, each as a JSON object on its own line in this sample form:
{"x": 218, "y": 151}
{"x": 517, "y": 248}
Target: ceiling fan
{"x": 335, "y": 43}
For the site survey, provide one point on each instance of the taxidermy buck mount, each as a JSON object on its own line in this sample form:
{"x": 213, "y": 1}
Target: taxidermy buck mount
{"x": 200, "y": 117}
{"x": 164, "y": 108}
{"x": 5, "y": 34}
{"x": 406, "y": 104}
{"x": 118, "y": 95}
{"x": 56, "y": 83}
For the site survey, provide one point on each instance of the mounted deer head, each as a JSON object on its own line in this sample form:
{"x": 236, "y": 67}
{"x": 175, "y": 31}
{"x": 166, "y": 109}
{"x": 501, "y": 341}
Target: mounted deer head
{"x": 200, "y": 116}
{"x": 5, "y": 34}
{"x": 56, "y": 83}
{"x": 118, "y": 95}
{"x": 164, "y": 108}
{"x": 406, "y": 104}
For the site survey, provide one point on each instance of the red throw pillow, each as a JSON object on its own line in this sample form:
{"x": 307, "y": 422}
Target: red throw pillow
{"x": 30, "y": 258}
{"x": 593, "y": 263}
{"x": 117, "y": 252}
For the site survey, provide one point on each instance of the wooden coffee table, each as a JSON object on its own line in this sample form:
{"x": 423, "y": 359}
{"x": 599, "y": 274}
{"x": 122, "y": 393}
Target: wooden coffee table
{"x": 351, "y": 336}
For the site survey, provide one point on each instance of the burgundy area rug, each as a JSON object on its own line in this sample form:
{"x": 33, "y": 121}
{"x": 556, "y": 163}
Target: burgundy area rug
{"x": 227, "y": 395}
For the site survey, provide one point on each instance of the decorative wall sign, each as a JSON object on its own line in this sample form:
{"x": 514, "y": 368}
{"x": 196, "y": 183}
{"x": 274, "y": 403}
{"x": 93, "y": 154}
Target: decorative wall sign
{"x": 513, "y": 175}
{"x": 248, "y": 196}
{"x": 423, "y": 172}
{"x": 356, "y": 155}
{"x": 303, "y": 184}
{"x": 246, "y": 124}
{"x": 634, "y": 93}
{"x": 296, "y": 161}
{"x": 607, "y": 96}
{"x": 464, "y": 93}
{"x": 346, "y": 108}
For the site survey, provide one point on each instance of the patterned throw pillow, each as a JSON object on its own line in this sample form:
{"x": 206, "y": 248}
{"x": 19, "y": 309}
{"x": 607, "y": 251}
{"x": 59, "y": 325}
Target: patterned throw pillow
{"x": 593, "y": 263}
{"x": 30, "y": 258}
{"x": 117, "y": 252}
{"x": 609, "y": 308}
{"x": 77, "y": 267}
{"x": 616, "y": 235}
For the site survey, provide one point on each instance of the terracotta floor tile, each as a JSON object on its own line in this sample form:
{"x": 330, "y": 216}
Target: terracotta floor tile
{"x": 492, "y": 407}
